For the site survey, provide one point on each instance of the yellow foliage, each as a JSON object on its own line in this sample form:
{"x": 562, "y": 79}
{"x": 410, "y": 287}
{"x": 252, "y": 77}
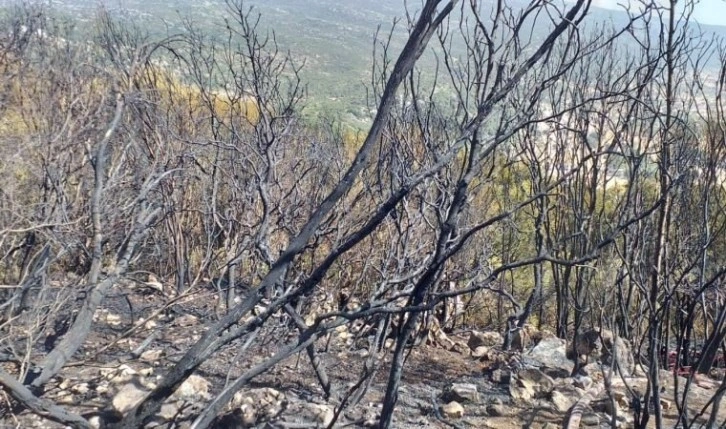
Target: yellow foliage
{"x": 197, "y": 102}
{"x": 352, "y": 141}
{"x": 12, "y": 123}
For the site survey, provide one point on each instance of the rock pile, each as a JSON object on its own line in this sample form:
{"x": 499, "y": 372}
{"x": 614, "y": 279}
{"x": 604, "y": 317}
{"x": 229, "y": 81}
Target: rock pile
{"x": 541, "y": 375}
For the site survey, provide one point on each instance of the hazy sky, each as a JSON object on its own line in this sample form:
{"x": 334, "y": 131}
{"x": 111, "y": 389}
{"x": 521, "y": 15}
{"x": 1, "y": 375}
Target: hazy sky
{"x": 706, "y": 11}
{"x": 712, "y": 12}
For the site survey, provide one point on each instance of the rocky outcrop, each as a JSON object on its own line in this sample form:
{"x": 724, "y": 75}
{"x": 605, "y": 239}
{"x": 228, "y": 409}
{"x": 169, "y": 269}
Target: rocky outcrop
{"x": 551, "y": 357}
{"x": 604, "y": 345}
{"x": 618, "y": 350}
{"x": 531, "y": 383}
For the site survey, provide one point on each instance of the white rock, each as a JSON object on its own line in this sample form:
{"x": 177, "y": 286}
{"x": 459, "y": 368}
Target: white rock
{"x": 343, "y": 336}
{"x": 480, "y": 352}
{"x": 256, "y": 403}
{"x": 561, "y": 401}
{"x": 194, "y": 387}
{"x": 324, "y": 414}
{"x": 100, "y": 315}
{"x": 102, "y": 389}
{"x": 170, "y": 410}
{"x": 127, "y": 397}
{"x": 113, "y": 319}
{"x": 95, "y": 422}
{"x": 65, "y": 398}
{"x": 121, "y": 374}
{"x": 249, "y": 415}
{"x": 452, "y": 410}
{"x": 80, "y": 388}
{"x": 152, "y": 355}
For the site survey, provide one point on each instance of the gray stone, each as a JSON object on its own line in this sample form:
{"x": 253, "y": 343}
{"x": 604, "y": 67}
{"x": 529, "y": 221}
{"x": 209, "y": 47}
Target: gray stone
{"x": 605, "y": 405}
{"x": 550, "y": 355}
{"x": 80, "y": 388}
{"x": 500, "y": 410}
{"x": 170, "y": 410}
{"x": 590, "y": 419}
{"x": 66, "y": 398}
{"x": 462, "y": 392}
{"x": 530, "y": 384}
{"x": 591, "y": 370}
{"x": 152, "y": 355}
{"x": 501, "y": 376}
{"x": 562, "y": 401}
{"x": 488, "y": 339}
{"x": 622, "y": 352}
{"x": 535, "y": 377}
{"x": 194, "y": 388}
{"x": 582, "y": 381}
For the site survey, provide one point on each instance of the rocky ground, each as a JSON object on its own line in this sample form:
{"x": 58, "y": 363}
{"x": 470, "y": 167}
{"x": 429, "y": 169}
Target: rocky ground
{"x": 462, "y": 381}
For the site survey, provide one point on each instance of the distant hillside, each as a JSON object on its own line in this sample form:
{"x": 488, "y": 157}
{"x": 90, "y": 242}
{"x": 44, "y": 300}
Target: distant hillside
{"x": 333, "y": 37}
